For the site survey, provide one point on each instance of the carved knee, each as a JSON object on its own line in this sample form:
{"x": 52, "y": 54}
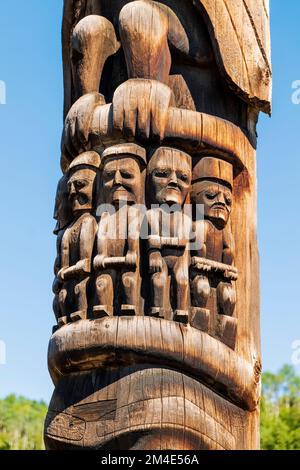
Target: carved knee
{"x": 182, "y": 280}
{"x": 62, "y": 296}
{"x": 130, "y": 286}
{"x": 102, "y": 285}
{"x": 129, "y": 280}
{"x": 159, "y": 280}
{"x": 226, "y": 298}
{"x": 201, "y": 290}
{"x": 56, "y": 308}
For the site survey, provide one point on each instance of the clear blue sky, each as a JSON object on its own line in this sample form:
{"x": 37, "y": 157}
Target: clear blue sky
{"x": 30, "y": 129}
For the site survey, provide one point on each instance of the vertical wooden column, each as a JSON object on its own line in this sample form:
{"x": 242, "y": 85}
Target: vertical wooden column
{"x": 156, "y": 290}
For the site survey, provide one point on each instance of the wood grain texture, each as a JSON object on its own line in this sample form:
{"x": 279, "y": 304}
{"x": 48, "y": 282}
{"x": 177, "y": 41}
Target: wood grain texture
{"x": 242, "y": 43}
{"x": 150, "y": 408}
{"x": 156, "y": 289}
{"x": 239, "y": 31}
{"x": 102, "y": 343}
{"x": 142, "y": 109}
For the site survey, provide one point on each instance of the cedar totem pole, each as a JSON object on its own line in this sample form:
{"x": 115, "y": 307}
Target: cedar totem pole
{"x": 156, "y": 290}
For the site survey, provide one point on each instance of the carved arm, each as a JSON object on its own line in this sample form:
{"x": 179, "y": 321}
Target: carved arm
{"x": 204, "y": 264}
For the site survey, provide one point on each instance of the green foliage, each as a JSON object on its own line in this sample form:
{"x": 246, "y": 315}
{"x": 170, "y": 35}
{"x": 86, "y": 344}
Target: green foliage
{"x": 280, "y": 410}
{"x": 21, "y": 423}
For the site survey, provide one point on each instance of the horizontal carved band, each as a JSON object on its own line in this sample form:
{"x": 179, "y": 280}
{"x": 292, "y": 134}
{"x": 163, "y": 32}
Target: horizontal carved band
{"x": 87, "y": 345}
{"x": 193, "y": 129}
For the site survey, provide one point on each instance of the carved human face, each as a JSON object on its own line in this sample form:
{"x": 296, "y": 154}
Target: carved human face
{"x": 80, "y": 190}
{"x": 122, "y": 181}
{"x": 62, "y": 212}
{"x": 170, "y": 177}
{"x": 216, "y": 198}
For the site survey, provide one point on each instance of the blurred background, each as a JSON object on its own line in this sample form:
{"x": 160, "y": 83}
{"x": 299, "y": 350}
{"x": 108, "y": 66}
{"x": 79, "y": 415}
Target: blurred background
{"x": 30, "y": 130}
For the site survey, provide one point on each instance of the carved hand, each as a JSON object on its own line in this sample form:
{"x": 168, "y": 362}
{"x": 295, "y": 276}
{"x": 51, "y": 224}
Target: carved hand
{"x": 61, "y": 275}
{"x": 99, "y": 262}
{"x": 131, "y": 259}
{"x": 77, "y": 125}
{"x": 140, "y": 108}
{"x": 81, "y": 268}
{"x": 155, "y": 262}
{"x": 203, "y": 267}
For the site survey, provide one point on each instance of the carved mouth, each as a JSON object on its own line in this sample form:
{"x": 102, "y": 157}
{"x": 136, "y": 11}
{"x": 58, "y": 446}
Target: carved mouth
{"x": 173, "y": 188}
{"x": 219, "y": 207}
{"x": 120, "y": 189}
{"x": 78, "y": 199}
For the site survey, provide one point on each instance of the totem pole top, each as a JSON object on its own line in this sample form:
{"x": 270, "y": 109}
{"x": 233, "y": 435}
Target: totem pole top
{"x": 240, "y": 35}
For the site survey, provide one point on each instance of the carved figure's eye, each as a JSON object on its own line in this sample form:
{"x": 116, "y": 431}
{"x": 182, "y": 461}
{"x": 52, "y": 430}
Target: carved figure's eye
{"x": 79, "y": 184}
{"x": 162, "y": 173}
{"x": 183, "y": 177}
{"x": 126, "y": 174}
{"x": 108, "y": 174}
{"x": 228, "y": 200}
{"x": 210, "y": 195}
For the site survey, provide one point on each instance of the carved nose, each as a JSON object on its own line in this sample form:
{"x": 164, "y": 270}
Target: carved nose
{"x": 118, "y": 178}
{"x": 72, "y": 190}
{"x": 173, "y": 179}
{"x": 221, "y": 199}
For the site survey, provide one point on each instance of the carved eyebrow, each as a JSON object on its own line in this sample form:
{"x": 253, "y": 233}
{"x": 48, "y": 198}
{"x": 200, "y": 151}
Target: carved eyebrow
{"x": 161, "y": 169}
{"x": 78, "y": 180}
{"x": 118, "y": 168}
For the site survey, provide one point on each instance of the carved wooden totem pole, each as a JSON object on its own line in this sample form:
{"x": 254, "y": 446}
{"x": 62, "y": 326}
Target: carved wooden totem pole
{"x": 157, "y": 343}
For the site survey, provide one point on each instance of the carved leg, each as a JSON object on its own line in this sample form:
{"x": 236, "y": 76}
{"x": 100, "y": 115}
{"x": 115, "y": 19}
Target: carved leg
{"x": 56, "y": 308}
{"x": 62, "y": 303}
{"x": 80, "y": 301}
{"x": 226, "y": 295}
{"x": 159, "y": 292}
{"x": 144, "y": 36}
{"x": 93, "y": 41}
{"x": 181, "y": 279}
{"x": 200, "y": 288}
{"x": 56, "y": 288}
{"x": 226, "y": 328}
{"x": 130, "y": 291}
{"x": 104, "y": 294}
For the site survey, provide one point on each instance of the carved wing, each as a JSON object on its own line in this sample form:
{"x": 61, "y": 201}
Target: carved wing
{"x": 241, "y": 38}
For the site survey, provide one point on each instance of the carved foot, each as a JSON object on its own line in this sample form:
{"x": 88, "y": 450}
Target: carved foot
{"x": 129, "y": 310}
{"x": 157, "y": 312}
{"x": 62, "y": 321}
{"x": 182, "y": 316}
{"x": 80, "y": 315}
{"x": 199, "y": 318}
{"x": 101, "y": 311}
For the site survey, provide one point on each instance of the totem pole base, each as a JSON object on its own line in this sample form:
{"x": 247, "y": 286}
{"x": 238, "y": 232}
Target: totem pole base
{"x": 140, "y": 404}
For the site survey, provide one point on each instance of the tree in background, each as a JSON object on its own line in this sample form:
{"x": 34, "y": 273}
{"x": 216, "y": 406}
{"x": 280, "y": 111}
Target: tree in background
{"x": 21, "y": 423}
{"x": 280, "y": 410}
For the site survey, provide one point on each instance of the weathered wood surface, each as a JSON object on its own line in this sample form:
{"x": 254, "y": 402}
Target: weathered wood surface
{"x": 240, "y": 34}
{"x": 157, "y": 342}
{"x": 102, "y": 343}
{"x": 140, "y": 109}
{"x": 143, "y": 408}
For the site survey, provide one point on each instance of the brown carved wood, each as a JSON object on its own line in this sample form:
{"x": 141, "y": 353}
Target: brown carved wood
{"x": 156, "y": 290}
